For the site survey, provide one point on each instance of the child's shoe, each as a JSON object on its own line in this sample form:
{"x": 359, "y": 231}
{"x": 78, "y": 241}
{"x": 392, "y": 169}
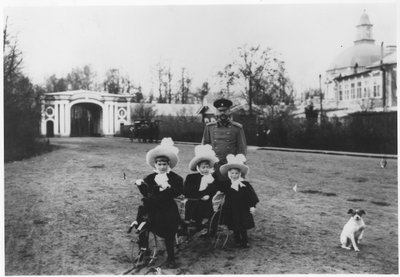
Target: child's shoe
{"x": 244, "y": 244}
{"x": 171, "y": 264}
{"x": 203, "y": 232}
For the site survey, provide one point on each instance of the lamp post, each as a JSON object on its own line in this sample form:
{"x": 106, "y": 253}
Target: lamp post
{"x": 320, "y": 96}
{"x": 382, "y": 68}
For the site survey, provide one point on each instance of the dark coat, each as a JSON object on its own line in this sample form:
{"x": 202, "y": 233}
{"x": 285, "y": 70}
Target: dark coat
{"x": 164, "y": 214}
{"x": 197, "y": 210}
{"x": 236, "y": 208}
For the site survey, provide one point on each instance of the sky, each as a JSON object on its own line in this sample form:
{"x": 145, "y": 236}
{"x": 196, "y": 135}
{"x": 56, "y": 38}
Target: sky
{"x": 203, "y": 38}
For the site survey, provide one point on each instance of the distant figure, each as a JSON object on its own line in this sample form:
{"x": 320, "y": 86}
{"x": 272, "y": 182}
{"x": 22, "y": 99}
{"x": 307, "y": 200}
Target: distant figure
{"x": 145, "y": 131}
{"x": 262, "y": 134}
{"x": 383, "y": 162}
{"x": 224, "y": 135}
{"x": 153, "y": 132}
{"x": 131, "y": 133}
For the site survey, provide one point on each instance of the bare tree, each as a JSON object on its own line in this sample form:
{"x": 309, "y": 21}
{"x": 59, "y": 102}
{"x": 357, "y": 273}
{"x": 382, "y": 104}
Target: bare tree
{"x": 54, "y": 84}
{"x": 228, "y": 77}
{"x": 168, "y": 85}
{"x": 81, "y": 78}
{"x": 202, "y": 92}
{"x": 22, "y": 110}
{"x": 144, "y": 111}
{"x": 159, "y": 76}
{"x": 184, "y": 87}
{"x": 12, "y": 58}
{"x": 260, "y": 73}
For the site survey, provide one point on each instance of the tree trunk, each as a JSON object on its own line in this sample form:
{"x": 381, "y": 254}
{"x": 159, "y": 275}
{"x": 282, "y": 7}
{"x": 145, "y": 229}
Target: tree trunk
{"x": 250, "y": 96}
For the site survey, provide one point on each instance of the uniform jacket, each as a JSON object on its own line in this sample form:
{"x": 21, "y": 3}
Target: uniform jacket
{"x": 164, "y": 214}
{"x": 225, "y": 139}
{"x": 236, "y": 208}
{"x": 200, "y": 209}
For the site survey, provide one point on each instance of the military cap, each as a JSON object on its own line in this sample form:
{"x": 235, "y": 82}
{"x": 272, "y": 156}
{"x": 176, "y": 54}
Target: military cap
{"x": 222, "y": 103}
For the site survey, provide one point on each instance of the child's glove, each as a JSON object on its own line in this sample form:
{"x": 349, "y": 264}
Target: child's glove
{"x": 252, "y": 210}
{"x": 139, "y": 182}
{"x": 205, "y": 197}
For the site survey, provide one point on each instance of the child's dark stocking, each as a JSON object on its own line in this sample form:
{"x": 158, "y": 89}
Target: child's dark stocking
{"x": 169, "y": 244}
{"x": 243, "y": 234}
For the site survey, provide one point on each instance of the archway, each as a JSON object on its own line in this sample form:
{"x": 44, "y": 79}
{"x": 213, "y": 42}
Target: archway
{"x": 49, "y": 128}
{"x": 86, "y": 120}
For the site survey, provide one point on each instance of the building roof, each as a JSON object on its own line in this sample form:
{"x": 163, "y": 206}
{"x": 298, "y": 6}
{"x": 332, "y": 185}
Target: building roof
{"x": 245, "y": 107}
{"x": 351, "y": 75}
{"x": 389, "y": 59}
{"x": 360, "y": 54}
{"x": 82, "y": 91}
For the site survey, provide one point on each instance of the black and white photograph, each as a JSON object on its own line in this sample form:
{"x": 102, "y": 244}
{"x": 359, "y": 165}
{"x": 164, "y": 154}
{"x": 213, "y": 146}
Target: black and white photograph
{"x": 199, "y": 137}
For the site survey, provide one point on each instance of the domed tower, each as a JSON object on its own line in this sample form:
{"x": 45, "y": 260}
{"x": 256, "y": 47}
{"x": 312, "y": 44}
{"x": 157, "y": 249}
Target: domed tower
{"x": 364, "y": 30}
{"x": 363, "y": 53}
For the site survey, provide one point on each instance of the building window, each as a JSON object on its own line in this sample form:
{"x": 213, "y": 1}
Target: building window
{"x": 340, "y": 95}
{"x": 365, "y": 90}
{"x": 346, "y": 92}
{"x": 377, "y": 92}
{"x": 359, "y": 90}
{"x": 353, "y": 91}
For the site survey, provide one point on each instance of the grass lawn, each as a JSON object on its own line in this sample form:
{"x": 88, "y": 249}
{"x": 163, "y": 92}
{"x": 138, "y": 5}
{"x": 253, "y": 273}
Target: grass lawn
{"x": 67, "y": 212}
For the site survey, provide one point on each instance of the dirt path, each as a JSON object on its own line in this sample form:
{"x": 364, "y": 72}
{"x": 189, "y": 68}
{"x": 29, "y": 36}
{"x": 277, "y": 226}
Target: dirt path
{"x": 67, "y": 212}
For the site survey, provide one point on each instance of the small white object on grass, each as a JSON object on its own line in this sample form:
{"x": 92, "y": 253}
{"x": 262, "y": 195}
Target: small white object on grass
{"x": 295, "y": 188}
{"x": 383, "y": 163}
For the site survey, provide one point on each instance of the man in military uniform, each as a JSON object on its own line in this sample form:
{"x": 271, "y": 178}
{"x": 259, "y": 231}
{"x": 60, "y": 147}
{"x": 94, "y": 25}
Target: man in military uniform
{"x": 224, "y": 135}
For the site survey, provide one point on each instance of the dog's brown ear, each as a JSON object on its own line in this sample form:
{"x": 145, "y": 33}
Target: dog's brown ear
{"x": 361, "y": 211}
{"x": 351, "y": 211}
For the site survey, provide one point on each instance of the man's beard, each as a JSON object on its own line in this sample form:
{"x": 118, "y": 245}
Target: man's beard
{"x": 224, "y": 118}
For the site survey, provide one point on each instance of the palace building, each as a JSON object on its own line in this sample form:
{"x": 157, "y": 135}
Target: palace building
{"x": 362, "y": 77}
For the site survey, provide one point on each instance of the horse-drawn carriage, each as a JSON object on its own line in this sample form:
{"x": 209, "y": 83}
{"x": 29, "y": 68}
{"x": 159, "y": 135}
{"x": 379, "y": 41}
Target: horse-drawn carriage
{"x": 144, "y": 130}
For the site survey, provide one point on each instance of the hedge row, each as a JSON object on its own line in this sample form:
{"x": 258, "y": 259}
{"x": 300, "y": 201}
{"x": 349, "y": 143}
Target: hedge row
{"x": 360, "y": 132}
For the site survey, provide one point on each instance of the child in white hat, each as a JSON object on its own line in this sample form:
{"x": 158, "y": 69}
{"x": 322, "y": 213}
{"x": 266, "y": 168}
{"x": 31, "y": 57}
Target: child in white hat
{"x": 159, "y": 190}
{"x": 240, "y": 198}
{"x": 200, "y": 187}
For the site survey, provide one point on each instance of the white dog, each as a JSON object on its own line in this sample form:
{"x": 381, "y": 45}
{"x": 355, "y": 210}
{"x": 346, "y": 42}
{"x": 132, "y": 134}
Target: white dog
{"x": 353, "y": 230}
